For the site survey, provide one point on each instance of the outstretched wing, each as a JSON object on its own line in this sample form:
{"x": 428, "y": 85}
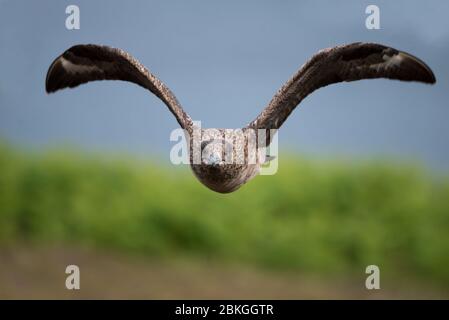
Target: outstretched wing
{"x": 83, "y": 63}
{"x": 343, "y": 63}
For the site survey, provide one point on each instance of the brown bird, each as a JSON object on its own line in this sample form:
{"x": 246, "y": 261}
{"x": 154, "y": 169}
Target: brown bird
{"x": 221, "y": 159}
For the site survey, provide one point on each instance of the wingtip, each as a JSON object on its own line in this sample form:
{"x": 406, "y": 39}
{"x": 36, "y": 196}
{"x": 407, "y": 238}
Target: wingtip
{"x": 433, "y": 79}
{"x": 48, "y": 91}
{"x": 47, "y": 85}
{"x": 425, "y": 73}
{"x": 428, "y": 77}
{"x": 48, "y": 88}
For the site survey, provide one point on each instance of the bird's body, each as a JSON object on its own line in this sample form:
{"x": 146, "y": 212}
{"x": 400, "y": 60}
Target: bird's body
{"x": 226, "y": 158}
{"x": 225, "y": 178}
{"x": 223, "y": 159}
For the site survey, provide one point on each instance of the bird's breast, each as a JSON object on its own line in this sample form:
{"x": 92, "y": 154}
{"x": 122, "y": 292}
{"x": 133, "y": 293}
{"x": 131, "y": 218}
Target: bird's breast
{"x": 225, "y": 178}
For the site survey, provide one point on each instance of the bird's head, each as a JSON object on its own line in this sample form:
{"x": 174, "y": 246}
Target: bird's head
{"x": 213, "y": 152}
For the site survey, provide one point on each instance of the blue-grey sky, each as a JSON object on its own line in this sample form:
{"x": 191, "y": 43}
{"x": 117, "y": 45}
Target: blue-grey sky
{"x": 224, "y": 60}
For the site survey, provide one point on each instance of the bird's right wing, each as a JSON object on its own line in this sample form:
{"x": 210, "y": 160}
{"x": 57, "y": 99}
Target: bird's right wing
{"x": 83, "y": 63}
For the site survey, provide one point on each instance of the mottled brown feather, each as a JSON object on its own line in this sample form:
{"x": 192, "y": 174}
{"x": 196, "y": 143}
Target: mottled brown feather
{"x": 351, "y": 62}
{"x": 106, "y": 63}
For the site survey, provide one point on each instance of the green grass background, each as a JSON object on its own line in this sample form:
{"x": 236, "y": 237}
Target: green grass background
{"x": 325, "y": 217}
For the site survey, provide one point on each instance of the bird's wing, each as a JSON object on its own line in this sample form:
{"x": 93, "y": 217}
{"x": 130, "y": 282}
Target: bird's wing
{"x": 83, "y": 63}
{"x": 342, "y": 63}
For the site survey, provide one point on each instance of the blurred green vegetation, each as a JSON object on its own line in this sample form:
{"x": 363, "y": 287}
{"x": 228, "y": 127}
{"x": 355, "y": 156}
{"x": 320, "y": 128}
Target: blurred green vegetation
{"x": 321, "y": 217}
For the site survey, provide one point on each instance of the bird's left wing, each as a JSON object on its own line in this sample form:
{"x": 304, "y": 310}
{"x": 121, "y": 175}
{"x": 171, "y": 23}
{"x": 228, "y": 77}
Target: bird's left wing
{"x": 342, "y": 63}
